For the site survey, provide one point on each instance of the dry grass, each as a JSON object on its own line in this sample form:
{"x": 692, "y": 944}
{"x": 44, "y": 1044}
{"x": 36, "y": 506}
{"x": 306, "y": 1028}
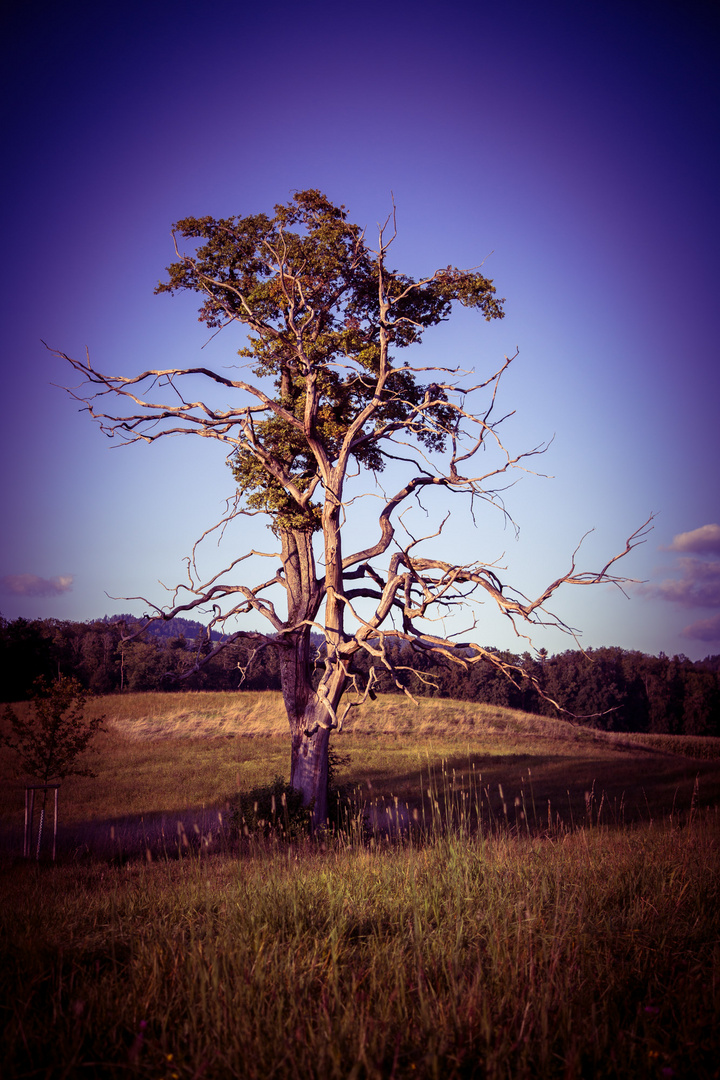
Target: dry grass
{"x": 216, "y": 715}
{"x": 154, "y": 716}
{"x": 170, "y": 757}
{"x": 194, "y": 715}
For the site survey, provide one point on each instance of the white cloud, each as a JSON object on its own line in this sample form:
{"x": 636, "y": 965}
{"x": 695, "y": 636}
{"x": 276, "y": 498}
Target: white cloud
{"x": 703, "y": 630}
{"x": 699, "y": 585}
{"x": 33, "y": 585}
{"x": 702, "y": 541}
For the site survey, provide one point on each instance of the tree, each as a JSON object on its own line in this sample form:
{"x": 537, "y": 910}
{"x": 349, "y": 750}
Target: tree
{"x": 328, "y": 408}
{"x": 51, "y": 737}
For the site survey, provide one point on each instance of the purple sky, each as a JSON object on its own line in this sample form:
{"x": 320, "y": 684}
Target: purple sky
{"x": 576, "y": 142}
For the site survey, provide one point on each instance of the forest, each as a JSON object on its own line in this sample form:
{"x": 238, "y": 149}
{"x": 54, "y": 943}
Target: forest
{"x": 609, "y": 688}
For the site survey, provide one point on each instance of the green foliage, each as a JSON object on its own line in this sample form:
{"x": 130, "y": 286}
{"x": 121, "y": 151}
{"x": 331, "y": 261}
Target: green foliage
{"x": 52, "y": 737}
{"x": 308, "y": 287}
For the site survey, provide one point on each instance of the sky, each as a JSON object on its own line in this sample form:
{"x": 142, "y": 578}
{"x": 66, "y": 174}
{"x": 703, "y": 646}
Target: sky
{"x": 573, "y": 147}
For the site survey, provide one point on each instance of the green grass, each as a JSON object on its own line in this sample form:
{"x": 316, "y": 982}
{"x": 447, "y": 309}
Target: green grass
{"x": 554, "y": 910}
{"x": 594, "y": 955}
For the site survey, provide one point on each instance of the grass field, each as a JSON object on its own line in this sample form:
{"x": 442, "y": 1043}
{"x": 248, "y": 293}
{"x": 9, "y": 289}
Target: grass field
{"x": 553, "y": 911}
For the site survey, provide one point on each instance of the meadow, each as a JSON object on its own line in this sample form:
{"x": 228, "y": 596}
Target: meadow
{"x": 513, "y": 897}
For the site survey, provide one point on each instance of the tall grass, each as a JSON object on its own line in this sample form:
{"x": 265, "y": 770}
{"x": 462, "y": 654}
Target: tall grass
{"x": 505, "y": 901}
{"x": 202, "y": 714}
{"x": 592, "y": 954}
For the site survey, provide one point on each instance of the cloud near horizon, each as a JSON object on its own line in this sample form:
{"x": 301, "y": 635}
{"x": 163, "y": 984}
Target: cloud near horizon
{"x": 34, "y": 585}
{"x": 699, "y": 585}
{"x": 698, "y": 582}
{"x": 703, "y": 630}
{"x": 702, "y": 541}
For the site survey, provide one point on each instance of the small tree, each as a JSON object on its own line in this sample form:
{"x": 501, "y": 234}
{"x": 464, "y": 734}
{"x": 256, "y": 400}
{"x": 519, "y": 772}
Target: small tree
{"x": 53, "y": 735}
{"x": 328, "y": 407}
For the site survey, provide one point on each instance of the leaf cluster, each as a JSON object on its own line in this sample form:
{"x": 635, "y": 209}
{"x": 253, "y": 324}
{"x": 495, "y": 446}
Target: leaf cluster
{"x": 52, "y": 736}
{"x": 310, "y": 292}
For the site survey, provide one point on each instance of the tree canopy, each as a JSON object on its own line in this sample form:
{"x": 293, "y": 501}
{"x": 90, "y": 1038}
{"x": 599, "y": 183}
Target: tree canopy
{"x": 323, "y": 331}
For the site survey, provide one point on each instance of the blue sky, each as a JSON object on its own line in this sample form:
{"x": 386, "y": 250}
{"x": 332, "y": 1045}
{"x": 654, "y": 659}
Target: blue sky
{"x": 573, "y": 145}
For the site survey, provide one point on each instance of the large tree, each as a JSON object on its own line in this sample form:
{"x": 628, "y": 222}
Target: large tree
{"x": 330, "y": 404}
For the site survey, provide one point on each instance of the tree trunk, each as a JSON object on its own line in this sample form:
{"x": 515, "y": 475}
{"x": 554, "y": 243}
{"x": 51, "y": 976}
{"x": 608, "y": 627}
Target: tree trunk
{"x": 312, "y": 713}
{"x": 308, "y": 717}
{"x": 309, "y": 769}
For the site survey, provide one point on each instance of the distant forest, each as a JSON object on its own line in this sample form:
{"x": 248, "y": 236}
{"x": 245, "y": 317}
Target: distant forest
{"x": 632, "y": 691}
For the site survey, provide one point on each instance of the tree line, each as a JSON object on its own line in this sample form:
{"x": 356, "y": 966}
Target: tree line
{"x": 611, "y": 688}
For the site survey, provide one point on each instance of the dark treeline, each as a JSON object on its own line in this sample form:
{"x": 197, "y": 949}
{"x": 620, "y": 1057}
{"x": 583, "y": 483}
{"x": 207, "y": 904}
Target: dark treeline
{"x": 630, "y": 690}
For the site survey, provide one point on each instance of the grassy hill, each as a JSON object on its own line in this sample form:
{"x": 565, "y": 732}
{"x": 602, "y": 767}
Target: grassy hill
{"x": 181, "y": 757}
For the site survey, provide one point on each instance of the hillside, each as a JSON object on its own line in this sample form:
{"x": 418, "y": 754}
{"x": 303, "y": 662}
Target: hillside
{"x": 181, "y": 757}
